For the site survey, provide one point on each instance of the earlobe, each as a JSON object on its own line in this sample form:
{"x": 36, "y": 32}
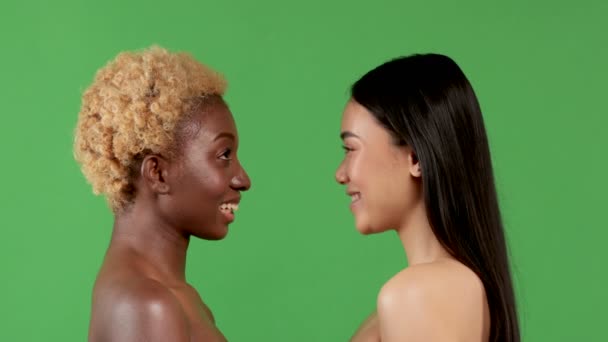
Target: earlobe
{"x": 414, "y": 165}
{"x": 154, "y": 173}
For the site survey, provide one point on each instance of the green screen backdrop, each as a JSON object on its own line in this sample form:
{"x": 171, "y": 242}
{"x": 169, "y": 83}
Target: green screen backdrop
{"x": 293, "y": 267}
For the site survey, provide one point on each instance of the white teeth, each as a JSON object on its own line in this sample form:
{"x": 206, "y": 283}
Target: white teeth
{"x": 229, "y": 207}
{"x": 355, "y": 197}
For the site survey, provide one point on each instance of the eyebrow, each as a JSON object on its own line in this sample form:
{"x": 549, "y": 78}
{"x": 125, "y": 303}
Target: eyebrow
{"x": 348, "y": 134}
{"x": 224, "y": 135}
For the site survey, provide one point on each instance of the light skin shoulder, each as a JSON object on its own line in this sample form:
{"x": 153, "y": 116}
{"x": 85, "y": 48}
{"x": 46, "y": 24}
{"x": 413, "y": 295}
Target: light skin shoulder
{"x": 439, "y": 301}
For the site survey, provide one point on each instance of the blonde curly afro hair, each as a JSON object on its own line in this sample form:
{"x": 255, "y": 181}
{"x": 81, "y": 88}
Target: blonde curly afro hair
{"x": 134, "y": 106}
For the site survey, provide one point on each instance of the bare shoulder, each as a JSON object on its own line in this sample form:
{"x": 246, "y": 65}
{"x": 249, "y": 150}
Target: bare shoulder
{"x": 442, "y": 278}
{"x": 439, "y": 301}
{"x": 136, "y": 308}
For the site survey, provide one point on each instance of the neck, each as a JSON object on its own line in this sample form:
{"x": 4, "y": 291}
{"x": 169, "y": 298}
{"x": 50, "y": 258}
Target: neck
{"x": 417, "y": 237}
{"x": 158, "y": 244}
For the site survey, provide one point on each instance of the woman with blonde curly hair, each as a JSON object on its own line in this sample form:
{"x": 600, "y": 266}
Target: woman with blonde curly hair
{"x": 156, "y": 138}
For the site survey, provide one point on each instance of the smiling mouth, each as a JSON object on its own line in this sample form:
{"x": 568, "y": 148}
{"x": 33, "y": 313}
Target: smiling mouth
{"x": 229, "y": 208}
{"x": 354, "y": 197}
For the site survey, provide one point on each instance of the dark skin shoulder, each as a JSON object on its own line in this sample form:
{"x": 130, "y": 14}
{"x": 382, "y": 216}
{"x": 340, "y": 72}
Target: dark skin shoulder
{"x": 132, "y": 302}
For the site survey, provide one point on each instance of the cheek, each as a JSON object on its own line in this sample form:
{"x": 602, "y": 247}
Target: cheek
{"x": 205, "y": 194}
{"x": 401, "y": 194}
{"x": 207, "y": 177}
{"x": 397, "y": 188}
{"x": 368, "y": 176}
{"x": 201, "y": 190}
{"x": 360, "y": 171}
{"x": 389, "y": 188}
{"x": 367, "y": 172}
{"x": 212, "y": 186}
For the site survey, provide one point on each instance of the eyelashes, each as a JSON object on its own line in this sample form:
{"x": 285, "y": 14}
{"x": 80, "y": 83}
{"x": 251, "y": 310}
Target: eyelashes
{"x": 226, "y": 155}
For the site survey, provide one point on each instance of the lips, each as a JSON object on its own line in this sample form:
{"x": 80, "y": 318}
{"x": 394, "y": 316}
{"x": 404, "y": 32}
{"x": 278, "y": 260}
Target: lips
{"x": 354, "y": 196}
{"x": 229, "y": 207}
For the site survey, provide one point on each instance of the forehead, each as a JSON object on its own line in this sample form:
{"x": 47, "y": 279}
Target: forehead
{"x": 205, "y": 123}
{"x": 216, "y": 118}
{"x": 357, "y": 119}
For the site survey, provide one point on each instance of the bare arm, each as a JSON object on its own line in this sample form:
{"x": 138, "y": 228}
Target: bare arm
{"x": 368, "y": 331}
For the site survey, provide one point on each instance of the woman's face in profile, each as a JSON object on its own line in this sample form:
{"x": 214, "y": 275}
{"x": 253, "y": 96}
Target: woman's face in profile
{"x": 376, "y": 172}
{"x": 210, "y": 177}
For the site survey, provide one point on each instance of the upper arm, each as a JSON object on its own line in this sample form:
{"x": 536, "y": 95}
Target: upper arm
{"x": 368, "y": 330}
{"x": 150, "y": 314}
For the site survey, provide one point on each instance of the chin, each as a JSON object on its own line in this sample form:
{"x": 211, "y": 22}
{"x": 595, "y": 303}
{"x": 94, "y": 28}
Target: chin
{"x": 365, "y": 227}
{"x": 216, "y": 237}
{"x": 214, "y": 234}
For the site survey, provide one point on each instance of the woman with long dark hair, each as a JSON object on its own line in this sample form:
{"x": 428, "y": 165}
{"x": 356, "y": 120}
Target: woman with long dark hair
{"x": 418, "y": 162}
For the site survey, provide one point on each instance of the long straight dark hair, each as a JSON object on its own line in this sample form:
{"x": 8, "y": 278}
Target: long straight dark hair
{"x": 427, "y": 102}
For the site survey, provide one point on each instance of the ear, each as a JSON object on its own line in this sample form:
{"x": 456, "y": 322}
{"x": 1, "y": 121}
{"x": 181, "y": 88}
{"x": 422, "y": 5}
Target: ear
{"x": 155, "y": 173}
{"x": 414, "y": 164}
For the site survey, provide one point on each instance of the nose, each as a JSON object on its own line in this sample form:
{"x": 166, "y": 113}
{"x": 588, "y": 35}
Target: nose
{"x": 341, "y": 176}
{"x": 240, "y": 181}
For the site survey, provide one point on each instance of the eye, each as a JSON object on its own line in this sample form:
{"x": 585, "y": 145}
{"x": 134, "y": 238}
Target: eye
{"x": 347, "y": 149}
{"x": 226, "y": 155}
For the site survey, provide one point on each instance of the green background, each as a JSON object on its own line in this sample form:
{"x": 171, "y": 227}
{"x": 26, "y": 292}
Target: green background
{"x": 293, "y": 267}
